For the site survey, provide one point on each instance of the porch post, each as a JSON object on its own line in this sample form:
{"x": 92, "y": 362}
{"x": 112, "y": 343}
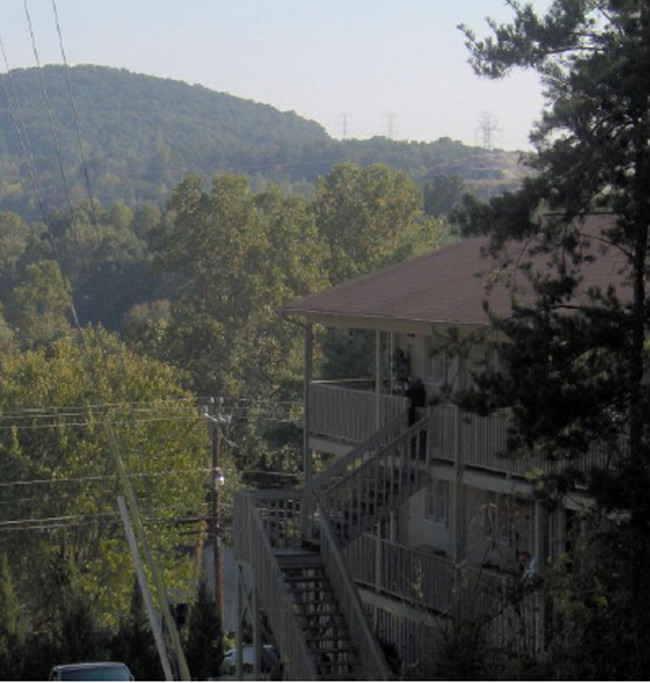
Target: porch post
{"x": 540, "y": 552}
{"x": 378, "y": 379}
{"x": 459, "y": 498}
{"x": 309, "y": 345}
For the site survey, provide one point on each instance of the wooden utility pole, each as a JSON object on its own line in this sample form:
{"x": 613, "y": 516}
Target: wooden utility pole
{"x": 144, "y": 589}
{"x": 216, "y": 480}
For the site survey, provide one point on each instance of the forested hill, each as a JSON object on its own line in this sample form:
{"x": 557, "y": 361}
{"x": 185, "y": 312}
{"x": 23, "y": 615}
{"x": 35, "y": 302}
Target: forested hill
{"x": 141, "y": 135}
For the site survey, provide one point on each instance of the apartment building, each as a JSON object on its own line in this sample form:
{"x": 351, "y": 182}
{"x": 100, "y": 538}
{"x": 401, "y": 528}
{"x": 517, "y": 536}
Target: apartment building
{"x": 410, "y": 515}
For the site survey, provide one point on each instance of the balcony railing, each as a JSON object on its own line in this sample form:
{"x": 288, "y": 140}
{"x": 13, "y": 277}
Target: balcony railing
{"x": 348, "y": 415}
{"x": 262, "y": 522}
{"x": 480, "y": 441}
{"x": 401, "y": 572}
{"x": 431, "y": 582}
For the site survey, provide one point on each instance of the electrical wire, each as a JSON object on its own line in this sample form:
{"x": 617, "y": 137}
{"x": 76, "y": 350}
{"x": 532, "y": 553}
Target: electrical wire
{"x": 18, "y": 119}
{"x": 84, "y": 163}
{"x": 48, "y": 109}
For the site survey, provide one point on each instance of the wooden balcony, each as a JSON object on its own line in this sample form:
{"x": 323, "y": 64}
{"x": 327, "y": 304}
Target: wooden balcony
{"x": 430, "y": 583}
{"x": 346, "y": 414}
{"x": 480, "y": 441}
{"x": 349, "y": 412}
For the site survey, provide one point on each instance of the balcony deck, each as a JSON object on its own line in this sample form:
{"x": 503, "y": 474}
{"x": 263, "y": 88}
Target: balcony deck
{"x": 345, "y": 415}
{"x": 350, "y": 413}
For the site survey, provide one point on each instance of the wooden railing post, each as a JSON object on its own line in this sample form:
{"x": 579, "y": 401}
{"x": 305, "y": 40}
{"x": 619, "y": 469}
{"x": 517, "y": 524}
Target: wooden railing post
{"x": 378, "y": 560}
{"x": 309, "y": 343}
{"x": 370, "y": 653}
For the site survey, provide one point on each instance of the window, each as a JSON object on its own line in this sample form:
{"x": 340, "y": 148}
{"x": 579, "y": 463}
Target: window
{"x": 499, "y": 517}
{"x": 438, "y": 365}
{"x": 436, "y": 507}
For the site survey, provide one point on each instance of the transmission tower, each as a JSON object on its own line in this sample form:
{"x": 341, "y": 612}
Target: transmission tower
{"x": 390, "y": 124}
{"x": 487, "y": 129}
{"x": 345, "y": 117}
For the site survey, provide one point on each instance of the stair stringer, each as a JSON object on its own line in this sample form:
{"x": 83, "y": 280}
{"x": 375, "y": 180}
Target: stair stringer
{"x": 342, "y": 468}
{"x": 365, "y": 496}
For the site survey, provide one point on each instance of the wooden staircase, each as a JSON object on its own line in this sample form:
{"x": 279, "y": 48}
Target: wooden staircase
{"x": 293, "y": 541}
{"x": 322, "y": 622}
{"x": 378, "y": 485}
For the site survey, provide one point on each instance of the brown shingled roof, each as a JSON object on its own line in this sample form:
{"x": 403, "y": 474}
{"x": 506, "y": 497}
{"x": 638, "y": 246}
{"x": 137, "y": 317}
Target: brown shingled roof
{"x": 443, "y": 287}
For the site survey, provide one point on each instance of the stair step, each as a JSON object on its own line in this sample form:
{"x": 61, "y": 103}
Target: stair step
{"x": 340, "y": 628}
{"x": 298, "y": 558}
{"x": 336, "y": 619}
{"x": 333, "y": 651}
{"x": 314, "y": 585}
{"x": 312, "y": 577}
{"x": 334, "y": 612}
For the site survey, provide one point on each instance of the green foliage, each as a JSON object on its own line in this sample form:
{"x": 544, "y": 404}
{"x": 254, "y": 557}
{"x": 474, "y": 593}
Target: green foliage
{"x": 134, "y": 644}
{"x": 56, "y": 465}
{"x": 575, "y": 370}
{"x": 599, "y": 630}
{"x": 442, "y": 193}
{"x": 39, "y": 306}
{"x": 238, "y": 256}
{"x": 364, "y": 214}
{"x": 204, "y": 644}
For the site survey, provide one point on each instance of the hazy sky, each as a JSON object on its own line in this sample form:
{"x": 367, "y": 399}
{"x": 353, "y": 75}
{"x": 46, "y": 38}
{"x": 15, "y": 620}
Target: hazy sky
{"x": 378, "y": 65}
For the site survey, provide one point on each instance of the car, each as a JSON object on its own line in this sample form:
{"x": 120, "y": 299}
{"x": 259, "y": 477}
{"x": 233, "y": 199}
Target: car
{"x": 91, "y": 671}
{"x": 270, "y": 659}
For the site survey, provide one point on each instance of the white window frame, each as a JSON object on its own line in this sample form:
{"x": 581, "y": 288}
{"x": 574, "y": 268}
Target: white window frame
{"x": 499, "y": 517}
{"x": 436, "y": 502}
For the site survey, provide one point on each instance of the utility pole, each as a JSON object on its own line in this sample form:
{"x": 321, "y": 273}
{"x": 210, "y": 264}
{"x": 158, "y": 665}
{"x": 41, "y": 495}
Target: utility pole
{"x": 144, "y": 589}
{"x": 216, "y": 480}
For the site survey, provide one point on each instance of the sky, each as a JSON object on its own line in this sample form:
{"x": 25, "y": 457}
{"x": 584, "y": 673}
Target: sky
{"x": 358, "y": 67}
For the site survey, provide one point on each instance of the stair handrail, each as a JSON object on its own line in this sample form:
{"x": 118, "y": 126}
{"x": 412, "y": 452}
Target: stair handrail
{"x": 373, "y": 660}
{"x": 358, "y": 456}
{"x": 269, "y": 581}
{"x": 385, "y": 454}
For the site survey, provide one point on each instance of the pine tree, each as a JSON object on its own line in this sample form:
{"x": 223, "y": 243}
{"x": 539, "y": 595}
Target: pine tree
{"x": 204, "y": 647}
{"x": 575, "y": 363}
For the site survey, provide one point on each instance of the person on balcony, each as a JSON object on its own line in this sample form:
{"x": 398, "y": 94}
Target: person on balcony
{"x": 417, "y": 395}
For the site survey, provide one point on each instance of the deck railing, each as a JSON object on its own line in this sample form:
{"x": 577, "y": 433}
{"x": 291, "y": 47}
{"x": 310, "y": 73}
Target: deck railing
{"x": 401, "y": 572}
{"x": 379, "y": 484}
{"x": 345, "y": 466}
{"x": 350, "y": 415}
{"x": 430, "y": 582}
{"x": 479, "y": 441}
{"x": 253, "y": 545}
{"x": 372, "y": 659}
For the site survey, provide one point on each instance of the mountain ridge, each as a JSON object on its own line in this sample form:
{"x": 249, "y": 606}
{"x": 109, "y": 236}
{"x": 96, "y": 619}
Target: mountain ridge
{"x": 142, "y": 134}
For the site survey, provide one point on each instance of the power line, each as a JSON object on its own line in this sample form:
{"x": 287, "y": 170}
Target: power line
{"x": 19, "y": 123}
{"x": 48, "y": 108}
{"x": 75, "y": 113}
{"x": 99, "y": 477}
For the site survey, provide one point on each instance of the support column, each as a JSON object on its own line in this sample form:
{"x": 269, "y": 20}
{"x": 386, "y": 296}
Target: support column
{"x": 241, "y": 619}
{"x": 540, "y": 551}
{"x": 257, "y": 636}
{"x": 378, "y": 380}
{"x": 459, "y": 498}
{"x": 309, "y": 352}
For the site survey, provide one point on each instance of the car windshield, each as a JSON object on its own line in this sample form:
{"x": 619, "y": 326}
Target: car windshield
{"x": 95, "y": 673}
